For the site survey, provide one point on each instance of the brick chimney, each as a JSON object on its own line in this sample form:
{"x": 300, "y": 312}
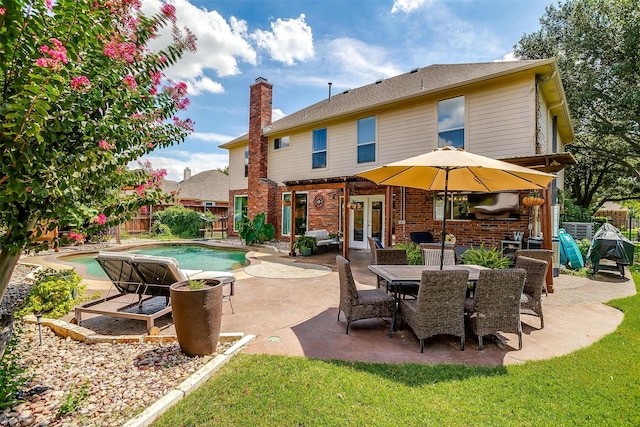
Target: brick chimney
{"x": 261, "y": 193}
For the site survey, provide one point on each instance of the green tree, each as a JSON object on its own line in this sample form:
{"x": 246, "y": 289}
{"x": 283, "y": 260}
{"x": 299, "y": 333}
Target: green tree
{"x": 597, "y": 45}
{"x": 81, "y": 97}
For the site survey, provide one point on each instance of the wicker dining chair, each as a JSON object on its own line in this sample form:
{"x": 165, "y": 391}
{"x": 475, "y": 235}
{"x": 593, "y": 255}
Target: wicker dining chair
{"x": 541, "y": 254}
{"x": 439, "y": 308}
{"x": 395, "y": 257}
{"x": 373, "y": 245}
{"x": 432, "y": 256}
{"x": 495, "y": 305}
{"x": 531, "y": 300}
{"x": 360, "y": 304}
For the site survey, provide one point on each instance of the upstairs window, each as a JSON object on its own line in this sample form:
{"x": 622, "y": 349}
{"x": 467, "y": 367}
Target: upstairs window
{"x": 319, "y": 149}
{"x": 246, "y": 161}
{"x": 282, "y": 142}
{"x": 451, "y": 122}
{"x": 367, "y": 140}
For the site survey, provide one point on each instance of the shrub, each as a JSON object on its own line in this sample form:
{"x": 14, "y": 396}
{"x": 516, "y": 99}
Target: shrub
{"x": 160, "y": 229}
{"x": 491, "y": 258}
{"x": 584, "y": 246}
{"x": 414, "y": 257}
{"x": 183, "y": 222}
{"x": 54, "y": 294}
{"x": 258, "y": 230}
{"x": 13, "y": 375}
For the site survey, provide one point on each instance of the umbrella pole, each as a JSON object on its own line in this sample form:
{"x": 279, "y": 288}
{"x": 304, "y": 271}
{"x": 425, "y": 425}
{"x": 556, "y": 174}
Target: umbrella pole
{"x": 444, "y": 218}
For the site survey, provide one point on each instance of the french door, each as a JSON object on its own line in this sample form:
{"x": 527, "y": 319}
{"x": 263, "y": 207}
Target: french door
{"x": 367, "y": 220}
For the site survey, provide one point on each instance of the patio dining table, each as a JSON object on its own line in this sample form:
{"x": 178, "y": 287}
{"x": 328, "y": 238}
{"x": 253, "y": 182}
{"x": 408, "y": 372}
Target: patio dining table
{"x": 405, "y": 276}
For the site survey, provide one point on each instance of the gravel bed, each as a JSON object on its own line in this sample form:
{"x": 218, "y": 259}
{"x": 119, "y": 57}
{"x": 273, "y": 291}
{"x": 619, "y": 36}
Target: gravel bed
{"x": 120, "y": 380}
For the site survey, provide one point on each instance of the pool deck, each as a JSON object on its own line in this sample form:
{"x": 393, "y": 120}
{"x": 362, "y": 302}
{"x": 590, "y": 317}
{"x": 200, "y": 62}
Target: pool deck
{"x": 297, "y": 316}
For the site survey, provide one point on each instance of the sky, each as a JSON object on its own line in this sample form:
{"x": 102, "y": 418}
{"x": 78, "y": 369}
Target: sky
{"x": 301, "y": 46}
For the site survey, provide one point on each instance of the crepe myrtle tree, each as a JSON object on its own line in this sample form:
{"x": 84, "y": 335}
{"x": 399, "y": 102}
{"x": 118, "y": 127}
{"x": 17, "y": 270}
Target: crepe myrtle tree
{"x": 82, "y": 96}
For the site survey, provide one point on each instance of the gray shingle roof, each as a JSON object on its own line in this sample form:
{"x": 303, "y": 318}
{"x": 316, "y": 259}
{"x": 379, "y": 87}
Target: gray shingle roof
{"x": 211, "y": 185}
{"x": 418, "y": 82}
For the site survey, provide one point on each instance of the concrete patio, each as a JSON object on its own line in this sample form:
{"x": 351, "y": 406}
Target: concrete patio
{"x": 297, "y": 316}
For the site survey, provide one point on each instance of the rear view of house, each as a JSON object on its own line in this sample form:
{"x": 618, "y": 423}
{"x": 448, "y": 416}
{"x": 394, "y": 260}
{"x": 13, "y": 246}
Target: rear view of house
{"x": 300, "y": 170}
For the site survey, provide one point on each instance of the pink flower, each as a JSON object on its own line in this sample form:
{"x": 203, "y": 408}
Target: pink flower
{"x": 130, "y": 82}
{"x": 169, "y": 11}
{"x": 144, "y": 209}
{"x": 2, "y": 10}
{"x": 56, "y": 55}
{"x": 81, "y": 84}
{"x": 183, "y": 104}
{"x": 78, "y": 237}
{"x": 104, "y": 145}
{"x": 140, "y": 189}
{"x": 100, "y": 219}
{"x": 155, "y": 77}
{"x": 48, "y": 4}
{"x": 150, "y": 144}
{"x": 121, "y": 51}
{"x": 187, "y": 124}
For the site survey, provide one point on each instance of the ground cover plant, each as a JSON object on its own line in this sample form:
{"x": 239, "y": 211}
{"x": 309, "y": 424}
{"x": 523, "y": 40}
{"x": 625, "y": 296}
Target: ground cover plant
{"x": 597, "y": 385}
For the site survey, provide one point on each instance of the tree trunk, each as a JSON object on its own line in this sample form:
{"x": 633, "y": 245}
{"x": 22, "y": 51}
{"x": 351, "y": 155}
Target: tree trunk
{"x": 7, "y": 264}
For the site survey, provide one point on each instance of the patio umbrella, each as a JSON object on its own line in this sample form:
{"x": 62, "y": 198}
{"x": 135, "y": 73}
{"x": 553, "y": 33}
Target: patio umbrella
{"x": 453, "y": 169}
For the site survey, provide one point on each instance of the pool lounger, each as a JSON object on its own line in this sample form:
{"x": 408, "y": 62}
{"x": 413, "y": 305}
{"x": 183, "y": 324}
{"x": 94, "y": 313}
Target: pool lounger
{"x": 146, "y": 276}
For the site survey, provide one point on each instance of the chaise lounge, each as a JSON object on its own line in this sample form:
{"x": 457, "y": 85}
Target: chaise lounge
{"x": 147, "y": 277}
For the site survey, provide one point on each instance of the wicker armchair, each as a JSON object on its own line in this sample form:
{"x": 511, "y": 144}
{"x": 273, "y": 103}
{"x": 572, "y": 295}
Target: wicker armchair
{"x": 541, "y": 254}
{"x": 439, "y": 308}
{"x": 432, "y": 256}
{"x": 531, "y": 300}
{"x": 496, "y": 303}
{"x": 360, "y": 304}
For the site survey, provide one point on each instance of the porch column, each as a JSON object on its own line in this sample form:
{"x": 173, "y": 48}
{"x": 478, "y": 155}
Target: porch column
{"x": 345, "y": 222}
{"x": 388, "y": 213}
{"x": 292, "y": 224}
{"x": 545, "y": 225}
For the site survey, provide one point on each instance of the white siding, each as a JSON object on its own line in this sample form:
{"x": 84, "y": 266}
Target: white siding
{"x": 400, "y": 133}
{"x": 237, "y": 180}
{"x": 501, "y": 120}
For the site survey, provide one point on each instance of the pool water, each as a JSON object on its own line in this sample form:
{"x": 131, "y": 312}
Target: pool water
{"x": 189, "y": 257}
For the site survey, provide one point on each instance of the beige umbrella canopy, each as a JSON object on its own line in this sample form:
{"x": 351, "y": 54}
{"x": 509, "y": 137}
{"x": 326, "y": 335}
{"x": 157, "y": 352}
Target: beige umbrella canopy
{"x": 453, "y": 169}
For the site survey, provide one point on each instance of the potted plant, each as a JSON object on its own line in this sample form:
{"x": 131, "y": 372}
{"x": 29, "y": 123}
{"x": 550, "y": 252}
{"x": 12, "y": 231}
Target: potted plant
{"x": 533, "y": 199}
{"x": 197, "y": 315}
{"x": 306, "y": 245}
{"x": 334, "y": 237}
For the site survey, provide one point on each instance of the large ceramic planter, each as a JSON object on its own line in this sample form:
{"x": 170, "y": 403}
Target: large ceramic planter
{"x": 197, "y": 315}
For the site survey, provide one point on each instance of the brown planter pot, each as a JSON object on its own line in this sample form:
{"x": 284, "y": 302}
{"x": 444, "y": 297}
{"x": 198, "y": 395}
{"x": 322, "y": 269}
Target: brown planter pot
{"x": 197, "y": 315}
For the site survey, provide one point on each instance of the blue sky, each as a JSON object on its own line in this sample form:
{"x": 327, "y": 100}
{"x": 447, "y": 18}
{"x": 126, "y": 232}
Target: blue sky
{"x": 300, "y": 46}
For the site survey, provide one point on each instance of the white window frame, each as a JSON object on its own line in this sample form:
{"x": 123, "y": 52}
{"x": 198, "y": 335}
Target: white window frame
{"x": 281, "y": 143}
{"x": 445, "y": 128}
{"x": 326, "y": 147}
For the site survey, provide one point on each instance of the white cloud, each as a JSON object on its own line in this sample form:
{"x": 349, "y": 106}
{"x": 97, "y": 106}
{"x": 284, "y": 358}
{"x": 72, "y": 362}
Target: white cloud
{"x": 175, "y": 165}
{"x": 221, "y": 44}
{"x": 197, "y": 86}
{"x": 508, "y": 57}
{"x": 289, "y": 40}
{"x": 406, "y": 6}
{"x": 360, "y": 62}
{"x": 211, "y": 137}
{"x": 277, "y": 114}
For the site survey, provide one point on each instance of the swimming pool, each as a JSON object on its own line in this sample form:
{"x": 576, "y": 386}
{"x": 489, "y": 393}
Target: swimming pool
{"x": 189, "y": 257}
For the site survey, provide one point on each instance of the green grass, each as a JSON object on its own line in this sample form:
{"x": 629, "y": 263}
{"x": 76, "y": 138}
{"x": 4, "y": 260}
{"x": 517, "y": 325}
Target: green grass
{"x": 598, "y": 385}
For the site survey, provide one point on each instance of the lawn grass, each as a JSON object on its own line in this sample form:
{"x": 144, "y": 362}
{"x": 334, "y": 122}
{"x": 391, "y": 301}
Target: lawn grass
{"x": 598, "y": 385}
